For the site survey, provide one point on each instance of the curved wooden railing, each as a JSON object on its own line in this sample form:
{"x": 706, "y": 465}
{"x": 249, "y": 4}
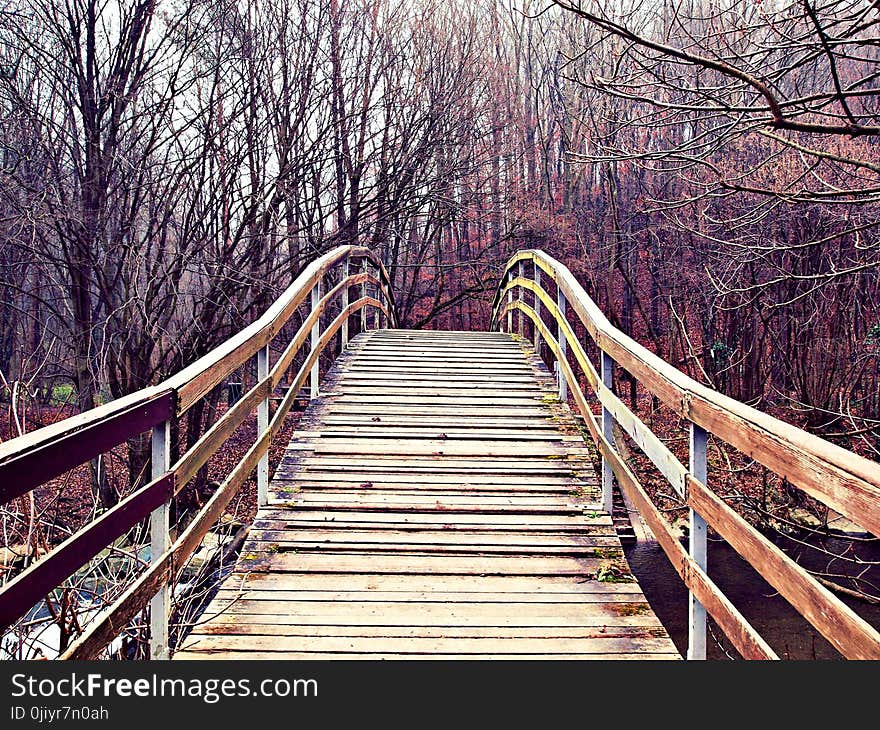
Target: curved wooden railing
{"x": 839, "y": 478}
{"x": 31, "y": 460}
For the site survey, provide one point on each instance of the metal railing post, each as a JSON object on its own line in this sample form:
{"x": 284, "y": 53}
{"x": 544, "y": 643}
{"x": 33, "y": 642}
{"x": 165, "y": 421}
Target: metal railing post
{"x": 563, "y": 346}
{"x": 365, "y": 319}
{"x": 696, "y": 610}
{"x": 160, "y": 542}
{"x": 537, "y": 309}
{"x": 316, "y": 335}
{"x": 377, "y": 315}
{"x": 608, "y": 433}
{"x": 262, "y": 426}
{"x": 522, "y": 315}
{"x": 345, "y": 303}
{"x": 510, "y": 304}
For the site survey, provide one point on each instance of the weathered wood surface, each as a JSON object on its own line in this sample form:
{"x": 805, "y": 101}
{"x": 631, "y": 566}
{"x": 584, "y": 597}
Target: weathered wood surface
{"x": 438, "y": 501}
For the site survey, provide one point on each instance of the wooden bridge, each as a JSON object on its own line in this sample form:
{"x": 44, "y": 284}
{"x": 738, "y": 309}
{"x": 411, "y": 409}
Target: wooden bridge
{"x": 438, "y": 498}
{"x": 437, "y": 502}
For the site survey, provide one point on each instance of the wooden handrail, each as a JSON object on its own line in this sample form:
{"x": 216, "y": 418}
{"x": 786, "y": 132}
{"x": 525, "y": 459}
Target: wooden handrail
{"x": 165, "y": 567}
{"x": 31, "y": 460}
{"x": 125, "y": 417}
{"x": 845, "y": 481}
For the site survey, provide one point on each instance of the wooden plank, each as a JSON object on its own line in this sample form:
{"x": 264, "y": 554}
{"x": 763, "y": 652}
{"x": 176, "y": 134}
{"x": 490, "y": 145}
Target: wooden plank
{"x": 423, "y": 565}
{"x": 374, "y": 496}
{"x": 427, "y": 462}
{"x": 19, "y": 446}
{"x": 537, "y": 423}
{"x": 450, "y": 399}
{"x": 289, "y": 472}
{"x": 451, "y": 388}
{"x": 526, "y": 529}
{"x": 445, "y": 506}
{"x": 439, "y": 584}
{"x": 489, "y": 490}
{"x": 332, "y": 536}
{"x": 422, "y": 432}
{"x": 432, "y": 378}
{"x": 381, "y": 368}
{"x": 634, "y": 611}
{"x": 480, "y": 410}
{"x": 417, "y": 645}
{"x": 446, "y": 509}
{"x": 224, "y": 655}
{"x": 608, "y": 630}
{"x": 606, "y": 613}
{"x": 412, "y": 613}
{"x": 484, "y": 521}
{"x": 451, "y": 548}
{"x": 388, "y": 446}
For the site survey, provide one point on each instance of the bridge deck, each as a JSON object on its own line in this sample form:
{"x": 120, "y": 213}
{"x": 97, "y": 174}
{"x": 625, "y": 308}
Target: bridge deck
{"x": 437, "y": 502}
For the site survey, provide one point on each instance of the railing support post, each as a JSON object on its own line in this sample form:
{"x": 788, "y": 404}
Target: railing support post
{"x": 608, "y": 433}
{"x": 160, "y": 542}
{"x": 345, "y": 303}
{"x": 538, "y": 310}
{"x": 522, "y": 315}
{"x": 315, "y": 376}
{"x": 377, "y": 317}
{"x": 510, "y": 304}
{"x": 563, "y": 347}
{"x": 696, "y": 610}
{"x": 262, "y": 425}
{"x": 365, "y": 319}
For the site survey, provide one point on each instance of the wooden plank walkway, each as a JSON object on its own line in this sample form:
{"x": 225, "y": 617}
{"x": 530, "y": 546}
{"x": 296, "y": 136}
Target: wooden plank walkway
{"x": 439, "y": 502}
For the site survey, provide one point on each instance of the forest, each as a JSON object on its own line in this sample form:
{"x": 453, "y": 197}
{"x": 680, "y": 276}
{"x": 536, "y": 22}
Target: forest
{"x": 707, "y": 169}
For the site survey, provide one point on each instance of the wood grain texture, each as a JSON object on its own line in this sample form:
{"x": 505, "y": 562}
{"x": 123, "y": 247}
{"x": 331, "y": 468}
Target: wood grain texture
{"x": 417, "y": 513}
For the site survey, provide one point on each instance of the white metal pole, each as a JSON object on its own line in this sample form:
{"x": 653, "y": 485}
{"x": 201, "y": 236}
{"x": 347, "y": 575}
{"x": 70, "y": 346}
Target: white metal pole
{"x": 522, "y": 315}
{"x": 537, "y": 310}
{"x": 160, "y": 542}
{"x": 262, "y": 426}
{"x": 345, "y": 303}
{"x": 563, "y": 347}
{"x": 377, "y": 322}
{"x": 316, "y": 335}
{"x": 510, "y": 304}
{"x": 365, "y": 320}
{"x": 608, "y": 433}
{"x": 696, "y": 610}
